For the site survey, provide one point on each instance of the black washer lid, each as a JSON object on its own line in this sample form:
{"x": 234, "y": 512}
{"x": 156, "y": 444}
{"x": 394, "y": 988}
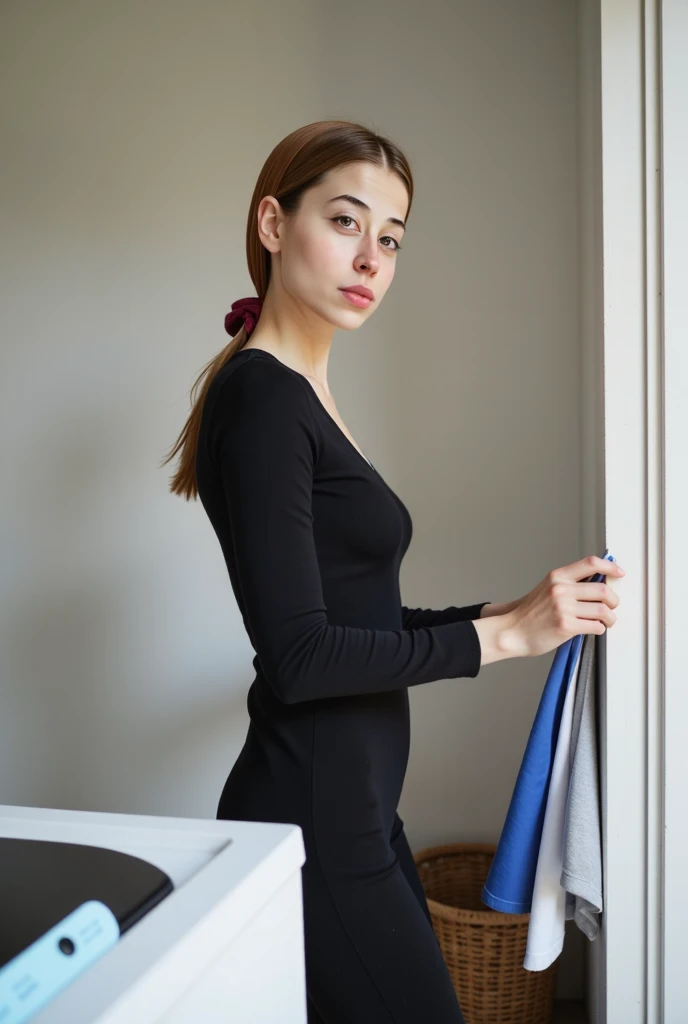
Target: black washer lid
{"x": 41, "y": 882}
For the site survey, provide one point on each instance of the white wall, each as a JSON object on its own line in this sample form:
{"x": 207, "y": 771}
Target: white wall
{"x": 133, "y": 136}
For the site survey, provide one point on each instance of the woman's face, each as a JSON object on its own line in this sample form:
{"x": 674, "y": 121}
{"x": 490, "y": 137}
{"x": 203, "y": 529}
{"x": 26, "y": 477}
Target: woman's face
{"x": 336, "y": 243}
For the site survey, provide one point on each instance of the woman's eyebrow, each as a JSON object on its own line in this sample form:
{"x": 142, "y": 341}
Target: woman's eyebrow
{"x": 359, "y": 202}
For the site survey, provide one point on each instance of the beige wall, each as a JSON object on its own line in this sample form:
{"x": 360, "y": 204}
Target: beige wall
{"x": 133, "y": 136}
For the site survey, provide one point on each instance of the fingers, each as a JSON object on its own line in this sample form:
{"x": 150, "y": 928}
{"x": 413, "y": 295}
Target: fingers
{"x": 597, "y": 592}
{"x": 587, "y": 567}
{"x": 595, "y": 601}
{"x": 606, "y": 567}
{"x": 595, "y": 610}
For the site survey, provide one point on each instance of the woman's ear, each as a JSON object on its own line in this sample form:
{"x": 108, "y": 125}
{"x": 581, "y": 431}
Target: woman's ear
{"x": 269, "y": 221}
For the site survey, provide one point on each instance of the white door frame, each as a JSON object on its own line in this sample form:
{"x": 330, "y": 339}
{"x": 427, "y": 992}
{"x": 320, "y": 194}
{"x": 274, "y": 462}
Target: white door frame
{"x": 674, "y": 891}
{"x": 634, "y": 301}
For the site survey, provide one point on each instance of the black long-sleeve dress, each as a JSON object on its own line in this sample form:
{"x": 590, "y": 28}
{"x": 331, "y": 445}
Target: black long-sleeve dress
{"x": 313, "y": 540}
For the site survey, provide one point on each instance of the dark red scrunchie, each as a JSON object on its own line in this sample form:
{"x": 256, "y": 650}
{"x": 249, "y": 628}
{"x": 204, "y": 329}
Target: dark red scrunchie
{"x": 244, "y": 311}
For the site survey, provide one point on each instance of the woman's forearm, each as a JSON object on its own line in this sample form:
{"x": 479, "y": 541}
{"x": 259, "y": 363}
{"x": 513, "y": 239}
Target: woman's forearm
{"x": 497, "y": 609}
{"x": 498, "y": 638}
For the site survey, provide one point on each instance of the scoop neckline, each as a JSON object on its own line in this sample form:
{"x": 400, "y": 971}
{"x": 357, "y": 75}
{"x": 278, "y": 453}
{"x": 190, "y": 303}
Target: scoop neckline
{"x": 332, "y": 420}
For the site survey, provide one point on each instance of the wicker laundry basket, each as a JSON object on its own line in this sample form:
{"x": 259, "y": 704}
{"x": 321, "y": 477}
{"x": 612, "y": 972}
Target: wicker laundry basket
{"x": 483, "y": 948}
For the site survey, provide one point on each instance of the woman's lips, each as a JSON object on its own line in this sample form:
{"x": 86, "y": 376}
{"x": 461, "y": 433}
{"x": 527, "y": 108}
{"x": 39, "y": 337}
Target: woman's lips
{"x": 355, "y": 299}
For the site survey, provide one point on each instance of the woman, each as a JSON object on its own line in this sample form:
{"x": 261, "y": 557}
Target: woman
{"x": 313, "y": 540}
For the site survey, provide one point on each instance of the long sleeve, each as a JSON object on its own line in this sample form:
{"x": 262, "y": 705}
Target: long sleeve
{"x": 265, "y": 446}
{"x": 414, "y": 618}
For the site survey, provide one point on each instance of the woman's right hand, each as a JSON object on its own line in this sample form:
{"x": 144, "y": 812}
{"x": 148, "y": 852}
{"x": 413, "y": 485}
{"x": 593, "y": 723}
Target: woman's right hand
{"x": 560, "y": 607}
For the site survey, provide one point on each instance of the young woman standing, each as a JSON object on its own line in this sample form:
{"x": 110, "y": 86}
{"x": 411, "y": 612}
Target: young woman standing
{"x": 313, "y": 540}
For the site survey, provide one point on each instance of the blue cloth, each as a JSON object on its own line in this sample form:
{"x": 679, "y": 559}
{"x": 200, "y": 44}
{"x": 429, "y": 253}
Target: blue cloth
{"x": 509, "y": 883}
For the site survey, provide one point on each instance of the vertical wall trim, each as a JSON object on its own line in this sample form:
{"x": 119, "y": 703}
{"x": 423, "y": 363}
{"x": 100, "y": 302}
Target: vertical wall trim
{"x": 591, "y": 335}
{"x": 654, "y": 489}
{"x": 630, "y": 681}
{"x": 674, "y": 67}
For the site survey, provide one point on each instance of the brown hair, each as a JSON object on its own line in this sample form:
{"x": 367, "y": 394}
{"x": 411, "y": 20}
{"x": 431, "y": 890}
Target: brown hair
{"x": 297, "y": 163}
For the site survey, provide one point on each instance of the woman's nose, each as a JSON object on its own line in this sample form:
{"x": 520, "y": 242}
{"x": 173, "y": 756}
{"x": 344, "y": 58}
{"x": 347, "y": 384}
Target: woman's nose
{"x": 368, "y": 258}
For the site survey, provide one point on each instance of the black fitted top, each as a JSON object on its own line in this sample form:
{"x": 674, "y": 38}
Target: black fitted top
{"x": 313, "y": 540}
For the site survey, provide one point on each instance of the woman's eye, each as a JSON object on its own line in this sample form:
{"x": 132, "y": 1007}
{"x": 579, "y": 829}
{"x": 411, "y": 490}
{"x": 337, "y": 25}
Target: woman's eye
{"x": 397, "y": 247}
{"x": 345, "y": 216}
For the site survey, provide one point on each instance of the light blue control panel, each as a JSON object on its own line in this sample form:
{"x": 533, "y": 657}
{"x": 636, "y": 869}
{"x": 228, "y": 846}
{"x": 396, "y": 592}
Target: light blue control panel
{"x": 49, "y": 964}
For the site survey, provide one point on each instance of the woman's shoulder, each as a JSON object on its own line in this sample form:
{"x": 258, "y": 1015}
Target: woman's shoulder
{"x": 254, "y": 372}
{"x": 253, "y": 385}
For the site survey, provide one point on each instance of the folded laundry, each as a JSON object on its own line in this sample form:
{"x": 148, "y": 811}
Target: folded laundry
{"x": 581, "y": 873}
{"x": 568, "y": 879}
{"x": 547, "y": 913}
{"x": 509, "y": 883}
{"x": 549, "y": 856}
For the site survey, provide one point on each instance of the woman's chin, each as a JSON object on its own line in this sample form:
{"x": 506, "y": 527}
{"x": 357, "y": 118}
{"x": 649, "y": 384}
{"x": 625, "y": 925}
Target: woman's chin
{"x": 349, "y": 320}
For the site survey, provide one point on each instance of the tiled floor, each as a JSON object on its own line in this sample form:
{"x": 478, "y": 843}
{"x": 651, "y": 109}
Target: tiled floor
{"x": 569, "y": 1012}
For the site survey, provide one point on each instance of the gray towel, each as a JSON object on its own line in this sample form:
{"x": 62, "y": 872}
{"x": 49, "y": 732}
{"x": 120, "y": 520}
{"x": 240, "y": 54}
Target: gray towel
{"x": 581, "y": 874}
